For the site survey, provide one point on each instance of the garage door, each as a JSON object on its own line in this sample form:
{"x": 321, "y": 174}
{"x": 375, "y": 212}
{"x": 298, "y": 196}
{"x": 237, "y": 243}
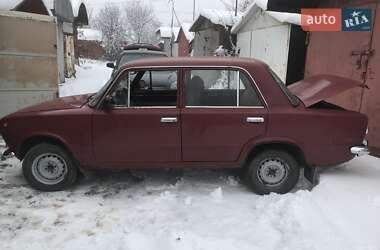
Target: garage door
{"x": 354, "y": 55}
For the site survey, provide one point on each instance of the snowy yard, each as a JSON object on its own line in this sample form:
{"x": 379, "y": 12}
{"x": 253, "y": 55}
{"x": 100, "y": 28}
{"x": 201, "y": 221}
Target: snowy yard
{"x": 90, "y": 77}
{"x": 191, "y": 209}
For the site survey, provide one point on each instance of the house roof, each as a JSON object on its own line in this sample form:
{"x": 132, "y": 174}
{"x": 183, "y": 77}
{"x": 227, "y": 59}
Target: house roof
{"x": 166, "y": 32}
{"x": 89, "y": 34}
{"x": 186, "y": 29}
{"x": 216, "y": 17}
{"x": 9, "y": 4}
{"x": 76, "y": 6}
{"x": 49, "y": 5}
{"x": 261, "y": 5}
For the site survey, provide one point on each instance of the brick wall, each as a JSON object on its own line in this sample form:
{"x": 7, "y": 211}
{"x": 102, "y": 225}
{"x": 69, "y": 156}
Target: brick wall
{"x": 90, "y": 49}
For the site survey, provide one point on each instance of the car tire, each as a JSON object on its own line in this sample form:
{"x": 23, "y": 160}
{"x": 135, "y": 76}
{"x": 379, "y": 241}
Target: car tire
{"x": 48, "y": 167}
{"x": 272, "y": 171}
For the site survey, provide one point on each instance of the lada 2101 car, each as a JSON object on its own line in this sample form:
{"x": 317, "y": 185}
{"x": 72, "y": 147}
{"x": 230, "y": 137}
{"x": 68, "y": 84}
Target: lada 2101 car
{"x": 206, "y": 113}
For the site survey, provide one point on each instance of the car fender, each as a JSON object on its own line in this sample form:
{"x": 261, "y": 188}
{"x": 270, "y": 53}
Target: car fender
{"x": 249, "y": 147}
{"x": 47, "y": 135}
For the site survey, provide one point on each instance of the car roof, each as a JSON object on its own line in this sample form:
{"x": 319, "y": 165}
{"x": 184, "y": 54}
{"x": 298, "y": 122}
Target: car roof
{"x": 138, "y": 51}
{"x": 196, "y": 61}
{"x": 148, "y": 46}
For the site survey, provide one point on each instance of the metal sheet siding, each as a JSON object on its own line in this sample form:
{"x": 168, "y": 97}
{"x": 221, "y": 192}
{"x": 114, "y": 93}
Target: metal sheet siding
{"x": 271, "y": 45}
{"x": 244, "y": 41}
{"x": 266, "y": 39}
{"x": 28, "y": 67}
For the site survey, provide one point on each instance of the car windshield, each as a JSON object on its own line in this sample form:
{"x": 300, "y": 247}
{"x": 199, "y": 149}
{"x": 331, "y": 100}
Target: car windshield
{"x": 292, "y": 98}
{"x": 128, "y": 57}
{"x": 94, "y": 98}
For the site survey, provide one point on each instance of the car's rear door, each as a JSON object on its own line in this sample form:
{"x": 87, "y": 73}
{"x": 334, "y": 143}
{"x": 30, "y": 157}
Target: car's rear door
{"x": 142, "y": 125}
{"x": 223, "y": 111}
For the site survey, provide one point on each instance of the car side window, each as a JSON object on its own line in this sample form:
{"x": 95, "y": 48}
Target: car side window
{"x": 146, "y": 88}
{"x": 219, "y": 88}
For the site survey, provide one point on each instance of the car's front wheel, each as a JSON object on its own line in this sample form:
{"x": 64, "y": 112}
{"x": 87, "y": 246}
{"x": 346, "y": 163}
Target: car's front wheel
{"x": 272, "y": 171}
{"x": 48, "y": 167}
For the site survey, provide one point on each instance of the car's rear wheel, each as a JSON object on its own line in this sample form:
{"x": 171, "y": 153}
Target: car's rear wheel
{"x": 48, "y": 167}
{"x": 272, "y": 171}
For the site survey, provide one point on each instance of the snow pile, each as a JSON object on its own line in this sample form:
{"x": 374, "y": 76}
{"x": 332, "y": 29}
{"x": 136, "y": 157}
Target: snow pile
{"x": 90, "y": 77}
{"x": 221, "y": 17}
{"x": 217, "y": 194}
{"x": 88, "y": 34}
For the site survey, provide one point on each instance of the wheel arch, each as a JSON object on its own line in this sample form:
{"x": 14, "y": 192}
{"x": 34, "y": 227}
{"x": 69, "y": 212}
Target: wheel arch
{"x": 286, "y": 146}
{"x": 34, "y": 140}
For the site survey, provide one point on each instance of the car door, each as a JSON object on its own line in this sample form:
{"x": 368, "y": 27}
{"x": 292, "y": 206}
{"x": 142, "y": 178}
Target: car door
{"x": 222, "y": 113}
{"x": 141, "y": 120}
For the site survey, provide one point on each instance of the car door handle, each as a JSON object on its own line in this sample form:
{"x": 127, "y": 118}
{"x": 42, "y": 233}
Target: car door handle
{"x": 255, "y": 119}
{"x": 169, "y": 119}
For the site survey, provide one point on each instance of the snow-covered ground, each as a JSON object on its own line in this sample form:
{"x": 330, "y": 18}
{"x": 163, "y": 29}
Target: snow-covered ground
{"x": 191, "y": 209}
{"x": 91, "y": 75}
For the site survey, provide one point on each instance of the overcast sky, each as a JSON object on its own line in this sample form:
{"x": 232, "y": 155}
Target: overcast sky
{"x": 183, "y": 8}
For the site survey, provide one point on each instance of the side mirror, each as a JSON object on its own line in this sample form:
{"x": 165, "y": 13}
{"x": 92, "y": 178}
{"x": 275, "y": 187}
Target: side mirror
{"x": 111, "y": 65}
{"x": 107, "y": 102}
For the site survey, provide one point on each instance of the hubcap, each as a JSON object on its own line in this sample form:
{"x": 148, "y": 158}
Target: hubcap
{"x": 272, "y": 172}
{"x": 49, "y": 168}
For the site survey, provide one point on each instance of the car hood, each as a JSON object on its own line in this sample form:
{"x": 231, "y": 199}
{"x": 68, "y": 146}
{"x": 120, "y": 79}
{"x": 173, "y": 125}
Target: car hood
{"x": 318, "y": 88}
{"x": 70, "y": 102}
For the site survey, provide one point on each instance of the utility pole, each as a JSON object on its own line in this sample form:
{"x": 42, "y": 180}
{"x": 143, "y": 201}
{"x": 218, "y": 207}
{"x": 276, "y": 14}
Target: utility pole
{"x": 236, "y": 7}
{"x": 172, "y": 30}
{"x": 194, "y": 10}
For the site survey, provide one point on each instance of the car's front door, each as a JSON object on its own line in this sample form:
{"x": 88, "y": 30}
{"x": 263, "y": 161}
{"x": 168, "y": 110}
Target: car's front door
{"x": 223, "y": 112}
{"x": 141, "y": 120}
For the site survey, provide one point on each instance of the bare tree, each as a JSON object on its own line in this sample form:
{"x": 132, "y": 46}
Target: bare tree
{"x": 141, "y": 22}
{"x": 231, "y": 4}
{"x": 109, "y": 21}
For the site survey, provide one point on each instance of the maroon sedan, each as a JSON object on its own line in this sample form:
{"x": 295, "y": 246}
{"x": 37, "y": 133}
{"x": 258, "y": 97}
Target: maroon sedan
{"x": 190, "y": 112}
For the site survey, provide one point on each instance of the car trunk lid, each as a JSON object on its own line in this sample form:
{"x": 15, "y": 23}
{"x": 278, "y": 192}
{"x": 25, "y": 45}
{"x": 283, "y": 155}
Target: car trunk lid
{"x": 318, "y": 88}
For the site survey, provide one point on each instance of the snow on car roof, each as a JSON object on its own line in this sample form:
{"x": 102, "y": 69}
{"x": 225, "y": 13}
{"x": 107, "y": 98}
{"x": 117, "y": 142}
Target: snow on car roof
{"x": 88, "y": 34}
